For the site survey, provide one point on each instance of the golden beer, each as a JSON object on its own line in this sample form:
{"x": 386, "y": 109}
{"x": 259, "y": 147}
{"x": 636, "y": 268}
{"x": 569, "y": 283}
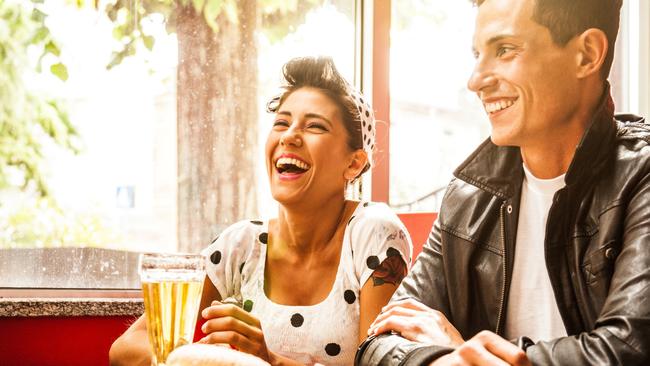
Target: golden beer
{"x": 171, "y": 288}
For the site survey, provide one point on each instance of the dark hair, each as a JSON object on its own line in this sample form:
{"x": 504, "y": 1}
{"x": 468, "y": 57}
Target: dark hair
{"x": 320, "y": 73}
{"x": 569, "y": 18}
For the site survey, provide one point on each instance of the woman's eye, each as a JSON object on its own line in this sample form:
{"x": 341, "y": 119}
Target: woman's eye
{"x": 317, "y": 126}
{"x": 280, "y": 124}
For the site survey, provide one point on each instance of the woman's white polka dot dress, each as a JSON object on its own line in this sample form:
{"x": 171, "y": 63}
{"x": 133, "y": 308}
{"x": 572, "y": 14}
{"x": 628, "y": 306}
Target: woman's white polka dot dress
{"x": 328, "y": 332}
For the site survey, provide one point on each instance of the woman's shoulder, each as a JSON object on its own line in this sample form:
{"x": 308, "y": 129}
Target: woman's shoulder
{"x": 375, "y": 222}
{"x": 239, "y": 239}
{"x": 375, "y": 233}
{"x": 243, "y": 231}
{"x": 375, "y": 213}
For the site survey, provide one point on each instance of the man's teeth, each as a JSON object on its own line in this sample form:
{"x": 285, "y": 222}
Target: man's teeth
{"x": 290, "y": 161}
{"x": 497, "y": 106}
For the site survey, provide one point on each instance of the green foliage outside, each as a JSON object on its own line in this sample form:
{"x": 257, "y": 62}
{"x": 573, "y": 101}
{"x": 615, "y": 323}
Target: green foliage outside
{"x": 28, "y": 121}
{"x": 39, "y": 223}
{"x": 278, "y": 18}
{"x": 26, "y": 118}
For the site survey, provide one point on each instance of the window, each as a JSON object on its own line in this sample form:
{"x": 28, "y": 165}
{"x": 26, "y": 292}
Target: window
{"x": 124, "y": 179}
{"x": 435, "y": 121}
{"x": 166, "y": 110}
{"x": 631, "y": 70}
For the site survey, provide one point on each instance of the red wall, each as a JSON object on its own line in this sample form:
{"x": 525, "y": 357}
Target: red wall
{"x": 419, "y": 226}
{"x": 69, "y": 341}
{"x": 64, "y": 341}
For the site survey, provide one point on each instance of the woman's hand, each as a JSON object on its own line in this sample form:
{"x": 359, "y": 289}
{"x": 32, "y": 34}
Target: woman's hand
{"x": 230, "y": 324}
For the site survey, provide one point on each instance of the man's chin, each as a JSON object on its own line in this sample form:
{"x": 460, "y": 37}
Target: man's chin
{"x": 501, "y": 140}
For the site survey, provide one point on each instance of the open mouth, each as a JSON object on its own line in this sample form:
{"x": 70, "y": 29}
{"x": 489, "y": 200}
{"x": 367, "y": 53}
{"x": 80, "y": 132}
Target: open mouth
{"x": 494, "y": 107}
{"x": 291, "y": 166}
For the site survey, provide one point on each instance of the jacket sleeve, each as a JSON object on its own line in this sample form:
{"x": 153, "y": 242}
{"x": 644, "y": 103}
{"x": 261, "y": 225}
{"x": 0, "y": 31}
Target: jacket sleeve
{"x": 621, "y": 333}
{"x": 426, "y": 284}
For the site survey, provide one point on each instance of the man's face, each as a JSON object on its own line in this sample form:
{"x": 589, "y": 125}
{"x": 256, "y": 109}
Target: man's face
{"x": 526, "y": 82}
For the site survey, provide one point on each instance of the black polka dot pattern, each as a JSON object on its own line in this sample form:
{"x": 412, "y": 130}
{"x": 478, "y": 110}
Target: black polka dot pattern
{"x": 248, "y": 305}
{"x": 241, "y": 267}
{"x": 215, "y": 258}
{"x": 349, "y": 296}
{"x": 333, "y": 349}
{"x": 372, "y": 262}
{"x": 264, "y": 238}
{"x": 297, "y": 320}
{"x": 392, "y": 252}
{"x": 367, "y": 118}
{"x": 256, "y": 222}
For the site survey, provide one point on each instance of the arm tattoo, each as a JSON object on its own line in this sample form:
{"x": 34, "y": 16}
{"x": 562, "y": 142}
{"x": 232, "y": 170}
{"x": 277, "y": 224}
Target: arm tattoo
{"x": 392, "y": 270}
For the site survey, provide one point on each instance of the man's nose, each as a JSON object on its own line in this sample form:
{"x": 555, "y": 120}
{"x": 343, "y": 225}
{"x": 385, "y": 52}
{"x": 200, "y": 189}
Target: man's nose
{"x": 481, "y": 77}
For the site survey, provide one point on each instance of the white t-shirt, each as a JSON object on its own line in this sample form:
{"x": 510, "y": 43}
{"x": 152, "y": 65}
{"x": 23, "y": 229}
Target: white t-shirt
{"x": 532, "y": 310}
{"x": 328, "y": 332}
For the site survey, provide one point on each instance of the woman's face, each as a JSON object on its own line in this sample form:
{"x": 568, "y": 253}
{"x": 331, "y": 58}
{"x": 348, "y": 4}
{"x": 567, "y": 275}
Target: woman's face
{"x": 307, "y": 155}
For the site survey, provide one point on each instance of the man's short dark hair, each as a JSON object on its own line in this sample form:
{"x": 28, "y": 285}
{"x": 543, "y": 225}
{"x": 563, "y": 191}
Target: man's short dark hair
{"x": 568, "y": 18}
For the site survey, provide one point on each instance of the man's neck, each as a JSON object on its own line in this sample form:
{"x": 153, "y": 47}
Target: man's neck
{"x": 551, "y": 156}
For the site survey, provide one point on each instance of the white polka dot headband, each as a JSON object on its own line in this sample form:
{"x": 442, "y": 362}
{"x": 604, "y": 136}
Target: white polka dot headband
{"x": 364, "y": 110}
{"x": 367, "y": 120}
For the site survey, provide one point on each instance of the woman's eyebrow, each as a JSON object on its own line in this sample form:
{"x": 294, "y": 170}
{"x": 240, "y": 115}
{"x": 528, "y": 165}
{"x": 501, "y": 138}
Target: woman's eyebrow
{"x": 316, "y": 115}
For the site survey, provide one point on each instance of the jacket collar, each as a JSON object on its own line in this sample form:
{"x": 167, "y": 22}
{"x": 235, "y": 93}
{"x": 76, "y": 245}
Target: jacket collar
{"x": 498, "y": 169}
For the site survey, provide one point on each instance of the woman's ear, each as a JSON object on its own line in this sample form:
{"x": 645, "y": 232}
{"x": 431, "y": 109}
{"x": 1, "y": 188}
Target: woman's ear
{"x": 592, "y": 50}
{"x": 358, "y": 161}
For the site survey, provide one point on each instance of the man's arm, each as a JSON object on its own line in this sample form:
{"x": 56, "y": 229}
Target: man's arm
{"x": 425, "y": 284}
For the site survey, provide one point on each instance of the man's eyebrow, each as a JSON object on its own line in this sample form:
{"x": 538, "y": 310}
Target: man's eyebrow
{"x": 492, "y": 40}
{"x": 498, "y": 38}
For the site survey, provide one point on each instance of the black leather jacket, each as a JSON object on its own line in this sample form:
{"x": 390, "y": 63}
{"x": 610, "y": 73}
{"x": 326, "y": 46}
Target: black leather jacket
{"x": 597, "y": 251}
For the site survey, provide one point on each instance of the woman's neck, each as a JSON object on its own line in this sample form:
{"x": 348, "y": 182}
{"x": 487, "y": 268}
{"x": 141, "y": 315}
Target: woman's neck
{"x": 307, "y": 229}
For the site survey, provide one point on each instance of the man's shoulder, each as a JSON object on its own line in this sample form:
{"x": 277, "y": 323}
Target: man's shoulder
{"x": 632, "y": 140}
{"x": 630, "y": 127}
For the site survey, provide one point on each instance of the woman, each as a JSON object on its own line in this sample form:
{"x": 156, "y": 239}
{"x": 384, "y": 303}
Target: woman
{"x": 310, "y": 282}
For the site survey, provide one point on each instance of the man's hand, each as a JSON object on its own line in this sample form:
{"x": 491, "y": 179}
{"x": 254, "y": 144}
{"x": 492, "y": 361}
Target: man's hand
{"x": 416, "y": 322}
{"x": 485, "y": 348}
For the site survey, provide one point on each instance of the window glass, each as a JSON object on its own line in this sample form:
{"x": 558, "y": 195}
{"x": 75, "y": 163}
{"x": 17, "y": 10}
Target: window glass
{"x": 151, "y": 118}
{"x": 435, "y": 121}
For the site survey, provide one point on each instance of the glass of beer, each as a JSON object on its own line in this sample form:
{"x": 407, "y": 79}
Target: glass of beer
{"x": 171, "y": 287}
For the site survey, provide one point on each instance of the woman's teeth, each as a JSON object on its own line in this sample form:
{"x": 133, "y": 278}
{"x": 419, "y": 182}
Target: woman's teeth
{"x": 285, "y": 163}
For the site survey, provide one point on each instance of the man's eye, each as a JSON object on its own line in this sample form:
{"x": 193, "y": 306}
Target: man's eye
{"x": 503, "y": 50}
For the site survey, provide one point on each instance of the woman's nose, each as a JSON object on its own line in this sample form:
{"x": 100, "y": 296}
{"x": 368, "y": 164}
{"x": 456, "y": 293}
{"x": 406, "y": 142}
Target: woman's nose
{"x": 291, "y": 137}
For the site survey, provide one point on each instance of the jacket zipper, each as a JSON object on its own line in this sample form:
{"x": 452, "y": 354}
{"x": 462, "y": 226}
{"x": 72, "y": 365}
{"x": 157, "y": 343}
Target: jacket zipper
{"x": 503, "y": 287}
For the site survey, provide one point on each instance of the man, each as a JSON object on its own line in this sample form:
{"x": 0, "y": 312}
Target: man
{"x": 541, "y": 252}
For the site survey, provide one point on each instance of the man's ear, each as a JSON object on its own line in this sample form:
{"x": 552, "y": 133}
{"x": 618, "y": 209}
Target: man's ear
{"x": 358, "y": 161}
{"x": 592, "y": 49}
